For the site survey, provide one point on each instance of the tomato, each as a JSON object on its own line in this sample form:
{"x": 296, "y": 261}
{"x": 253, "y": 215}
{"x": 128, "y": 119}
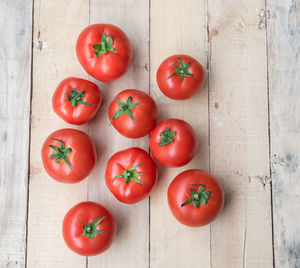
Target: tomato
{"x": 133, "y": 113}
{"x": 195, "y": 197}
{"x": 68, "y": 155}
{"x": 76, "y": 100}
{"x": 173, "y": 143}
{"x": 88, "y": 229}
{"x": 131, "y": 175}
{"x": 104, "y": 51}
{"x": 180, "y": 77}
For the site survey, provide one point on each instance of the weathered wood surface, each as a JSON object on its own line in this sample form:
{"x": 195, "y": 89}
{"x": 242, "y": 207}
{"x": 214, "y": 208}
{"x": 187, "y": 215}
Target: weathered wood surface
{"x": 284, "y": 81}
{"x": 15, "y": 88}
{"x": 248, "y": 65}
{"x": 239, "y": 150}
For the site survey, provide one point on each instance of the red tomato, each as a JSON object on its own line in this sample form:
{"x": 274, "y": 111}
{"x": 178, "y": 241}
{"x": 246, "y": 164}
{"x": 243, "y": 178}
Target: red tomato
{"x": 88, "y": 229}
{"x": 104, "y": 51}
{"x": 180, "y": 77}
{"x": 68, "y": 155}
{"x": 133, "y": 113}
{"x": 76, "y": 100}
{"x": 195, "y": 197}
{"x": 131, "y": 175}
{"x": 173, "y": 143}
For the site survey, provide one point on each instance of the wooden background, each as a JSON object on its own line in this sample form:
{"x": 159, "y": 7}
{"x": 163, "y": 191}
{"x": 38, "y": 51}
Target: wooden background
{"x": 247, "y": 118}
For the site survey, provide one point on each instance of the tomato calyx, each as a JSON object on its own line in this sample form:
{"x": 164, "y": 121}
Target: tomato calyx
{"x": 125, "y": 107}
{"x": 90, "y": 230}
{"x": 61, "y": 153}
{"x": 131, "y": 174}
{"x": 167, "y": 137}
{"x": 197, "y": 197}
{"x": 182, "y": 70}
{"x": 76, "y": 97}
{"x": 104, "y": 46}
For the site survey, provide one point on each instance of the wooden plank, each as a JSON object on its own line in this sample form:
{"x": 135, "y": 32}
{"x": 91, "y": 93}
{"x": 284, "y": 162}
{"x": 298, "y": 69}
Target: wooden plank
{"x": 178, "y": 27}
{"x": 130, "y": 248}
{"x": 56, "y": 27}
{"x": 15, "y": 73}
{"x": 239, "y": 152}
{"x": 284, "y": 66}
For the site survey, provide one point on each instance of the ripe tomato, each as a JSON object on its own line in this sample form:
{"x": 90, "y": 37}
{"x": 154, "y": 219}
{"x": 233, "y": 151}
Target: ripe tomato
{"x": 173, "y": 143}
{"x": 180, "y": 77}
{"x": 76, "y": 100}
{"x": 68, "y": 155}
{"x": 131, "y": 175}
{"x": 104, "y": 51}
{"x": 88, "y": 229}
{"x": 195, "y": 197}
{"x": 133, "y": 113}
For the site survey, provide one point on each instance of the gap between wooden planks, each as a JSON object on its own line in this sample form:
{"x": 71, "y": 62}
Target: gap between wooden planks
{"x": 233, "y": 34}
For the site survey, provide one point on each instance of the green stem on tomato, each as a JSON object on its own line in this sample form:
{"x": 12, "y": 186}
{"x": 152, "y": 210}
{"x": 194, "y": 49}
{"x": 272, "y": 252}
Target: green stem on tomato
{"x": 182, "y": 70}
{"x": 197, "y": 197}
{"x": 90, "y": 230}
{"x": 104, "y": 46}
{"x": 131, "y": 174}
{"x": 61, "y": 153}
{"x": 75, "y": 97}
{"x": 125, "y": 108}
{"x": 167, "y": 137}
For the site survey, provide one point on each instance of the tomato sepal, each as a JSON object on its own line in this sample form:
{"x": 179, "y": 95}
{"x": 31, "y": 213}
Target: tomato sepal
{"x": 198, "y": 198}
{"x": 182, "y": 70}
{"x": 125, "y": 107}
{"x": 90, "y": 230}
{"x": 76, "y": 97}
{"x": 167, "y": 136}
{"x": 131, "y": 174}
{"x": 104, "y": 46}
{"x": 61, "y": 153}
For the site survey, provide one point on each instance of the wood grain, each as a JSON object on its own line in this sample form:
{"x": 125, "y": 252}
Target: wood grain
{"x": 284, "y": 80}
{"x": 57, "y": 25}
{"x": 242, "y": 236}
{"x": 247, "y": 67}
{"x": 173, "y": 25}
{"x": 15, "y": 74}
{"x": 130, "y": 248}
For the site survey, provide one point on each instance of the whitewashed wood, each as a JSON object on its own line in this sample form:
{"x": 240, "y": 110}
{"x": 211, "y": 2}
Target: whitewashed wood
{"x": 238, "y": 127}
{"x": 15, "y": 73}
{"x": 178, "y": 27}
{"x": 130, "y": 248}
{"x": 239, "y": 152}
{"x": 284, "y": 66}
{"x": 57, "y": 25}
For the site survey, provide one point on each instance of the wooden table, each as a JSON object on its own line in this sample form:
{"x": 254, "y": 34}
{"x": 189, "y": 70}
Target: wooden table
{"x": 247, "y": 118}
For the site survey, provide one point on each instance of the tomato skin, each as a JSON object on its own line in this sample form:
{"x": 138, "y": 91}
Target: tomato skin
{"x": 72, "y": 229}
{"x": 172, "y": 87}
{"x": 106, "y": 67}
{"x": 82, "y": 157}
{"x": 190, "y": 215}
{"x": 81, "y": 113}
{"x": 179, "y": 152}
{"x": 132, "y": 191}
{"x": 144, "y": 114}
